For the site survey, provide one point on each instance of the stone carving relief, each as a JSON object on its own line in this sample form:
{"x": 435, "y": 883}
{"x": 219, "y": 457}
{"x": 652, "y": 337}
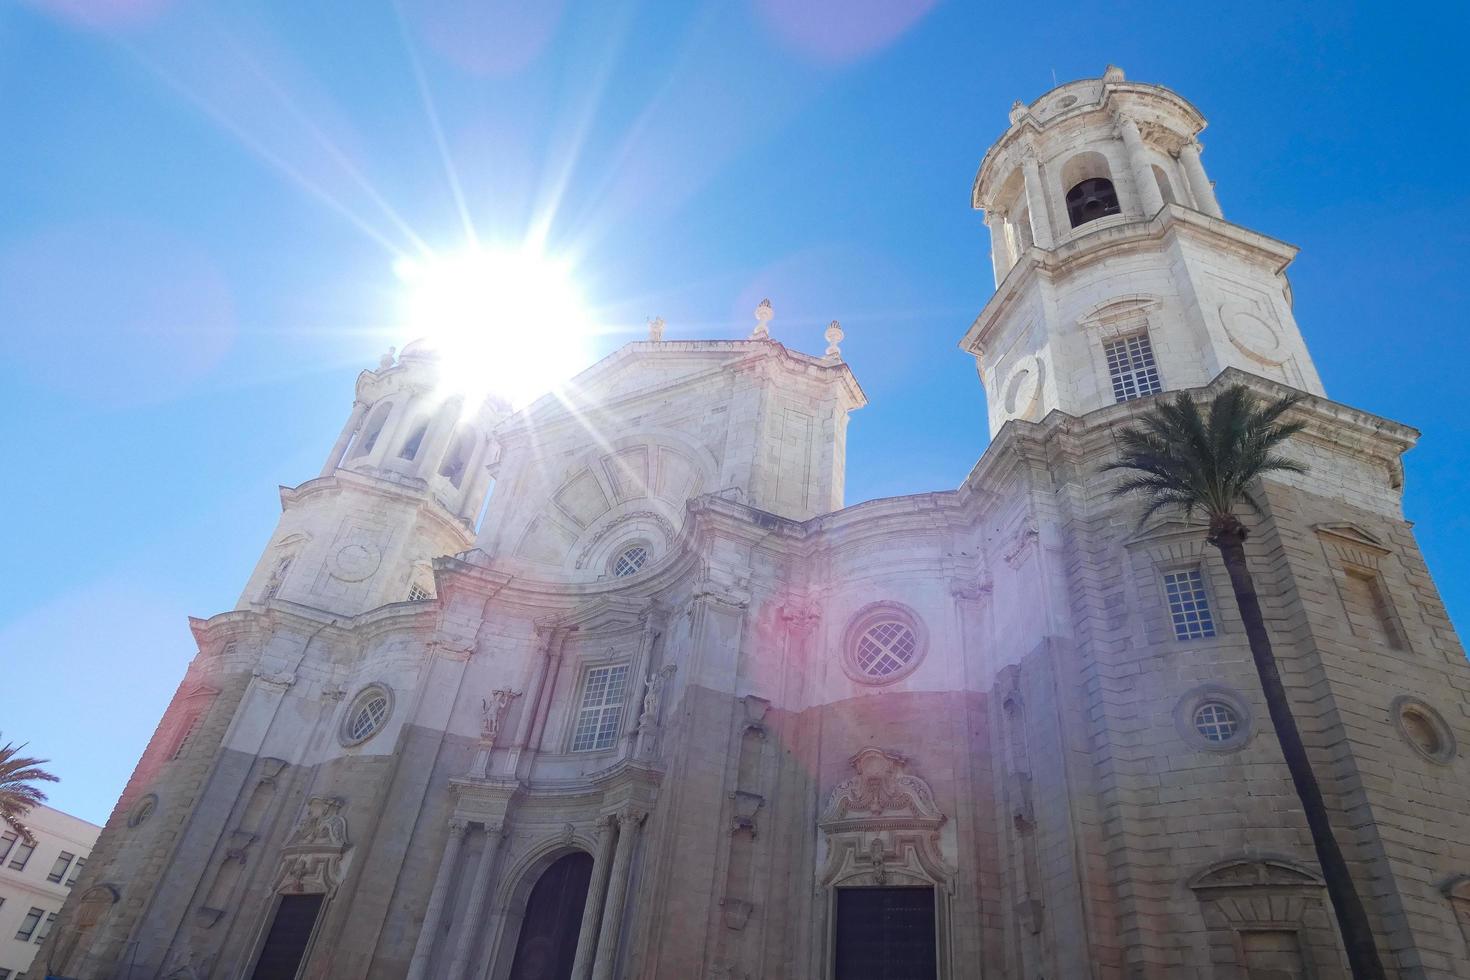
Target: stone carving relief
{"x": 882, "y": 824}
{"x": 492, "y": 713}
{"x": 1252, "y": 335}
{"x": 311, "y": 861}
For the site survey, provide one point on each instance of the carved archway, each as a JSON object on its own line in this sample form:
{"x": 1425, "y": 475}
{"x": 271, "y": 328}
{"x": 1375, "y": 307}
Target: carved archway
{"x": 1267, "y": 913}
{"x": 881, "y": 829}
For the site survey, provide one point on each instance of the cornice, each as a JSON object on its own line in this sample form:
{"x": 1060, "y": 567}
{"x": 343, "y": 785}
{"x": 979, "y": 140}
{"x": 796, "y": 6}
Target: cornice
{"x": 417, "y": 494}
{"x": 1030, "y": 126}
{"x": 1112, "y": 240}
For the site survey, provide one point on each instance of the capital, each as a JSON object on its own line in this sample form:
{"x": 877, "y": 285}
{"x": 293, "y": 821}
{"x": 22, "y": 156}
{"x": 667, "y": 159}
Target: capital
{"x": 458, "y": 827}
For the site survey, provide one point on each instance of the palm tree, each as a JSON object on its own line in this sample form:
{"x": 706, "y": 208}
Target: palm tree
{"x": 1178, "y": 457}
{"x": 18, "y": 790}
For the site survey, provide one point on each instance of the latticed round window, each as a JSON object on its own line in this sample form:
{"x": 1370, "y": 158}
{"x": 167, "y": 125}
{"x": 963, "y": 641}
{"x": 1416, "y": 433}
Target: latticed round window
{"x": 630, "y": 561}
{"x": 1216, "y": 721}
{"x": 367, "y": 715}
{"x": 885, "y": 641}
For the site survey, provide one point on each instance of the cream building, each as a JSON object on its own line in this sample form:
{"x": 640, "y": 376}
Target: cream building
{"x": 673, "y": 711}
{"x": 35, "y": 879}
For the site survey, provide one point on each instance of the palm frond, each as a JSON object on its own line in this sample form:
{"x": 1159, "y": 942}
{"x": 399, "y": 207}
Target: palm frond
{"x": 1179, "y": 454}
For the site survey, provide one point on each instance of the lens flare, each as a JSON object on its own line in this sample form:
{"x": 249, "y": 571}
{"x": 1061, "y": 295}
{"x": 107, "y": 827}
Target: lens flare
{"x": 509, "y": 324}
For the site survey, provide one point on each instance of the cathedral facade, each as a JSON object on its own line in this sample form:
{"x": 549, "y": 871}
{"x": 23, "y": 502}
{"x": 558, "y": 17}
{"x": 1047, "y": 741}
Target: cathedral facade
{"x": 671, "y": 710}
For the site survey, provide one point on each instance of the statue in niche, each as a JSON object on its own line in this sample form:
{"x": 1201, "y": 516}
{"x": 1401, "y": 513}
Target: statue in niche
{"x": 492, "y": 712}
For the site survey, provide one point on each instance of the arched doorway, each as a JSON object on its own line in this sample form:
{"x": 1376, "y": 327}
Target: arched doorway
{"x": 548, "y": 940}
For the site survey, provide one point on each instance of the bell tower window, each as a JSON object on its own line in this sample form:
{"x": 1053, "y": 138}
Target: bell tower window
{"x": 1091, "y": 199}
{"x": 1132, "y": 368}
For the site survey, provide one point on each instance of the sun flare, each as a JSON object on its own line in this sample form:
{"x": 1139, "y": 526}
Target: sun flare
{"x": 508, "y": 323}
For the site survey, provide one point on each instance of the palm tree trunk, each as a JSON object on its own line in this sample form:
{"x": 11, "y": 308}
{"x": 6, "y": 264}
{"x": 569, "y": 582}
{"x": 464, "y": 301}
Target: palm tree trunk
{"x": 1352, "y": 920}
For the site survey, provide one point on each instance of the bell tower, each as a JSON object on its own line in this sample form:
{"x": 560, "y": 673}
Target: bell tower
{"x": 402, "y": 485}
{"x": 1117, "y": 274}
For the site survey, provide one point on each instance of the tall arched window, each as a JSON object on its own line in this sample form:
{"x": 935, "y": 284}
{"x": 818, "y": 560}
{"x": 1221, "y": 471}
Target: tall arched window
{"x": 415, "y": 440}
{"x": 372, "y": 430}
{"x": 457, "y": 460}
{"x": 1166, "y": 189}
{"x": 1091, "y": 199}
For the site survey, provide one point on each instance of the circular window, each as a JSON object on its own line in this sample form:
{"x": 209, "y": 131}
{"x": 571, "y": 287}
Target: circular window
{"x": 1424, "y": 729}
{"x": 142, "y": 810}
{"x": 367, "y": 715}
{"x": 1216, "y": 721}
{"x": 885, "y": 641}
{"x": 1214, "y": 718}
{"x": 630, "y": 561}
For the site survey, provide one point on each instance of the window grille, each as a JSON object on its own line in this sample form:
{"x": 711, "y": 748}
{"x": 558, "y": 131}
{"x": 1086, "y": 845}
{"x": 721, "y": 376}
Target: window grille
{"x": 1132, "y": 368}
{"x": 45, "y": 929}
{"x": 885, "y": 647}
{"x": 76, "y": 871}
{"x": 368, "y": 717}
{"x": 601, "y": 711}
{"x": 630, "y": 561}
{"x": 7, "y": 841}
{"x": 183, "y": 745}
{"x": 1189, "y": 607}
{"x": 1216, "y": 721}
{"x": 417, "y": 593}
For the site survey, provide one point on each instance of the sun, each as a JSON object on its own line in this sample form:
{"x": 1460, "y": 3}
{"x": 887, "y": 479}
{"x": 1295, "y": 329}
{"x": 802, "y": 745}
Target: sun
{"x": 506, "y": 323}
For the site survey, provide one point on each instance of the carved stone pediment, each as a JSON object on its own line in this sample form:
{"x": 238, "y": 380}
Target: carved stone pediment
{"x": 882, "y": 795}
{"x": 311, "y": 860}
{"x": 1255, "y": 873}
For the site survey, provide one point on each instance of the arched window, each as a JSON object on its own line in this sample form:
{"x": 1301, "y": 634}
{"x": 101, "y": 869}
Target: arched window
{"x": 415, "y": 440}
{"x": 1091, "y": 199}
{"x": 1166, "y": 189}
{"x": 372, "y": 430}
{"x": 457, "y": 460}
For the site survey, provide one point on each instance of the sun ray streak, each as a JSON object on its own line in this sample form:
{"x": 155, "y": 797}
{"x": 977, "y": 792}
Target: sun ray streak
{"x": 333, "y": 150}
{"x": 261, "y": 150}
{"x": 455, "y": 187}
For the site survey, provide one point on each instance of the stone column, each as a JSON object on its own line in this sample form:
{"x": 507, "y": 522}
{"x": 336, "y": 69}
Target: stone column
{"x": 1199, "y": 184}
{"x": 1000, "y": 246}
{"x": 1149, "y": 197}
{"x": 418, "y": 968}
{"x": 479, "y": 892}
{"x": 1036, "y": 202}
{"x": 629, "y": 821}
{"x": 354, "y": 422}
{"x": 607, "y": 832}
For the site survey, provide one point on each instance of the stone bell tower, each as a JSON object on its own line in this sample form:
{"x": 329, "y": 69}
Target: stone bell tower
{"x": 1117, "y": 274}
{"x": 402, "y": 485}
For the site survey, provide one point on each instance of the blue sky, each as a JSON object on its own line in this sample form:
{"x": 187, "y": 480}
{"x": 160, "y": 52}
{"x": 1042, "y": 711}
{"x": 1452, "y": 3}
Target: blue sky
{"x": 200, "y": 206}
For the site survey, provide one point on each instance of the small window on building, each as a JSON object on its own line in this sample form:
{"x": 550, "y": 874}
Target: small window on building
{"x": 630, "y": 561}
{"x": 886, "y": 647}
{"x": 45, "y": 929}
{"x": 1166, "y": 189}
{"x": 1189, "y": 607}
{"x": 1216, "y": 721}
{"x": 367, "y": 715}
{"x": 29, "y": 923}
{"x": 1132, "y": 368}
{"x": 601, "y": 712}
{"x": 23, "y": 852}
{"x": 417, "y": 593}
{"x": 59, "y": 869}
{"x": 4, "y": 975}
{"x": 457, "y": 460}
{"x": 278, "y": 576}
{"x": 372, "y": 430}
{"x": 7, "y": 841}
{"x": 414, "y": 441}
{"x": 76, "y": 871}
{"x": 1091, "y": 199}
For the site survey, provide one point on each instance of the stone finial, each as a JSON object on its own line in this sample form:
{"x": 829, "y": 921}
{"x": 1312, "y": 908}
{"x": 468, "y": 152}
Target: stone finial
{"x": 1018, "y": 111}
{"x": 386, "y": 361}
{"x": 763, "y": 314}
{"x": 656, "y": 329}
{"x": 834, "y": 337}
{"x": 1113, "y": 74}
